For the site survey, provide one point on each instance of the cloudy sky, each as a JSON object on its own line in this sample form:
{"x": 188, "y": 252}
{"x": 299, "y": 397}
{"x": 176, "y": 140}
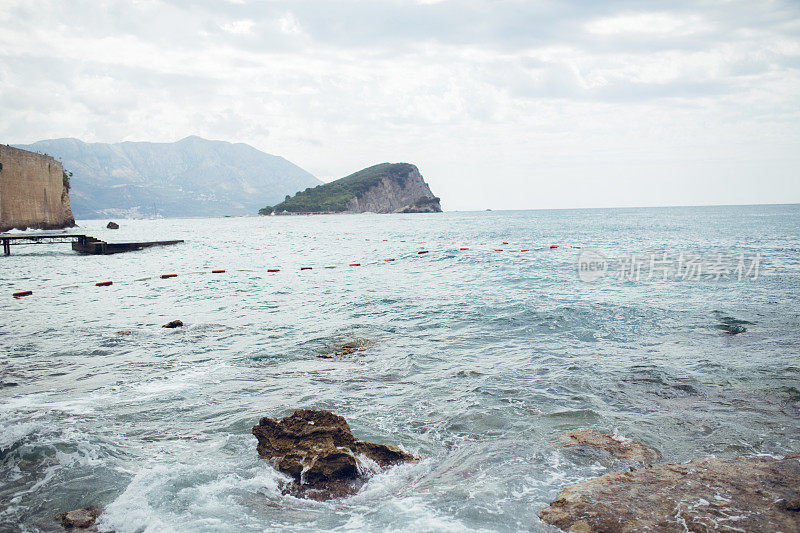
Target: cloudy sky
{"x": 501, "y": 103}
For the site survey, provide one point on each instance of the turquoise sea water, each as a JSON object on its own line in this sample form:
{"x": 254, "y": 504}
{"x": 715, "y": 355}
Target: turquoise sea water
{"x": 476, "y": 360}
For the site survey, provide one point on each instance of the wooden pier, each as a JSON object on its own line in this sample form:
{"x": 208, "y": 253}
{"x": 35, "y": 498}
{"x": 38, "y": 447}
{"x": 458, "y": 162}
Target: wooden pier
{"x": 80, "y": 243}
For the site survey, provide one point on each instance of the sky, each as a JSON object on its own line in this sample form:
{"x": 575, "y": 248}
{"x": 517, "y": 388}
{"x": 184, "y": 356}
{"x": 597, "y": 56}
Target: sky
{"x": 502, "y": 104}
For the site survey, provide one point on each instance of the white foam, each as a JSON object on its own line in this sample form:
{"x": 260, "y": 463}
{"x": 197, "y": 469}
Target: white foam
{"x": 207, "y": 494}
{"x": 15, "y": 432}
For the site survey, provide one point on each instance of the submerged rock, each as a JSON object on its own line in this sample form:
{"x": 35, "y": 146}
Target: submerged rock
{"x": 173, "y": 324}
{"x": 79, "y": 518}
{"x": 750, "y": 494}
{"x": 348, "y": 348}
{"x": 731, "y": 329}
{"x": 318, "y": 450}
{"x": 731, "y": 325}
{"x": 619, "y": 447}
{"x": 112, "y": 225}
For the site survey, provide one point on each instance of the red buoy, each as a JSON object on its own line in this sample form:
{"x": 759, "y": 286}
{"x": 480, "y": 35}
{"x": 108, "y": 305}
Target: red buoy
{"x": 498, "y": 250}
{"x": 104, "y": 283}
{"x": 273, "y": 270}
{"x": 165, "y": 276}
{"x": 463, "y": 248}
{"x": 553, "y": 246}
{"x": 576, "y": 247}
{"x": 422, "y": 252}
{"x": 217, "y": 271}
{"x": 504, "y": 242}
{"x": 392, "y": 259}
{"x": 305, "y": 268}
{"x": 525, "y": 250}
{"x": 355, "y": 264}
{"x": 20, "y": 294}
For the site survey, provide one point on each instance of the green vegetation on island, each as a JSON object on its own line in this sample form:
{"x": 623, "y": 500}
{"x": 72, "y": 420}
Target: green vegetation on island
{"x": 333, "y": 197}
{"x": 427, "y": 200}
{"x": 65, "y": 176}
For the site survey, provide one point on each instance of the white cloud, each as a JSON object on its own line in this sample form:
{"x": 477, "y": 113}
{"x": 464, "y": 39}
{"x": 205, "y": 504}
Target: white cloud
{"x": 649, "y": 23}
{"x": 574, "y": 104}
{"x": 239, "y": 27}
{"x": 289, "y": 24}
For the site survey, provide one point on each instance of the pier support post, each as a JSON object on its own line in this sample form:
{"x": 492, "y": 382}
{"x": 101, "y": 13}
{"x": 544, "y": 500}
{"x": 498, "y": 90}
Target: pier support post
{"x": 6, "y": 247}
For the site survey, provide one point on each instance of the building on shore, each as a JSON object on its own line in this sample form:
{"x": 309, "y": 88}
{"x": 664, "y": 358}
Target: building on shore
{"x": 34, "y": 191}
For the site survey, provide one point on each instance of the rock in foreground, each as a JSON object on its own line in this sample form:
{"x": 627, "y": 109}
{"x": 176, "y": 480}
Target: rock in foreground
{"x": 79, "y": 518}
{"x": 619, "y": 447}
{"x": 752, "y": 494}
{"x": 173, "y": 324}
{"x": 318, "y": 450}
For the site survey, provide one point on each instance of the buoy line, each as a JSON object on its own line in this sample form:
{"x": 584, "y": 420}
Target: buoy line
{"x": 500, "y": 243}
{"x": 418, "y": 253}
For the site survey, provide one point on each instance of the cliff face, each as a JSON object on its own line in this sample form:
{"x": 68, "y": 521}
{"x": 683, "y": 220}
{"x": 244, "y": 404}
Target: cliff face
{"x": 32, "y": 191}
{"x": 396, "y": 195}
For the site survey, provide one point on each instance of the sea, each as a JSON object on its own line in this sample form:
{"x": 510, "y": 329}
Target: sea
{"x": 678, "y": 328}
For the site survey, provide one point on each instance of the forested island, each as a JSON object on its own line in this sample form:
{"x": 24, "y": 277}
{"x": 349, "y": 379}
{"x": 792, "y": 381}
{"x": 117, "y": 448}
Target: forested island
{"x": 383, "y": 188}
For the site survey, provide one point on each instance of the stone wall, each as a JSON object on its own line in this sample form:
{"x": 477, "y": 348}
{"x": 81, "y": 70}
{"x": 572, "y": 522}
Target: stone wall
{"x": 32, "y": 194}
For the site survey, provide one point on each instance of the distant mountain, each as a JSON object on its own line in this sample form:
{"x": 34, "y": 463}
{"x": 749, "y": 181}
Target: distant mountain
{"x": 383, "y": 188}
{"x": 191, "y": 177}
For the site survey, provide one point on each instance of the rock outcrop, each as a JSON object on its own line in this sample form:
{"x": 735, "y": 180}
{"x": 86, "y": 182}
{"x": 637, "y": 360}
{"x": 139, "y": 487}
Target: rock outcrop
{"x": 408, "y": 194}
{"x": 79, "y": 518}
{"x": 34, "y": 191}
{"x": 423, "y": 205}
{"x": 112, "y": 225}
{"x": 751, "y": 494}
{"x": 318, "y": 450}
{"x": 619, "y": 447}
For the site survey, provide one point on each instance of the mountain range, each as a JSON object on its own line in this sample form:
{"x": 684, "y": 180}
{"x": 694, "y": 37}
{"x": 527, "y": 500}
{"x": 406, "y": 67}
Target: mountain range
{"x": 190, "y": 177}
